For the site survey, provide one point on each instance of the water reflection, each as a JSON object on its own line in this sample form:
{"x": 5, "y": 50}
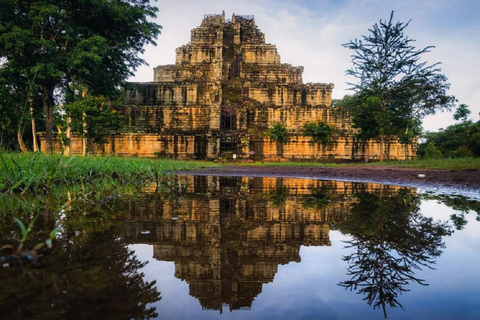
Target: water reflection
{"x": 461, "y": 204}
{"x": 391, "y": 240}
{"x": 227, "y": 237}
{"x": 91, "y": 274}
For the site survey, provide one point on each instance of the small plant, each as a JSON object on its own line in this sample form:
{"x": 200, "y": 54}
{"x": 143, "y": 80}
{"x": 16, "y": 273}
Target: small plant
{"x": 277, "y": 132}
{"x": 319, "y": 131}
{"x": 19, "y": 253}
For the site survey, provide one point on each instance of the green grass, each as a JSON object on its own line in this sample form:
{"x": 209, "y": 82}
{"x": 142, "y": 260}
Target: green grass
{"x": 432, "y": 164}
{"x": 439, "y": 164}
{"x": 288, "y": 164}
{"x": 37, "y": 173}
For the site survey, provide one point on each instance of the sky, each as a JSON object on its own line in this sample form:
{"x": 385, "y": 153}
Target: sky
{"x": 310, "y": 33}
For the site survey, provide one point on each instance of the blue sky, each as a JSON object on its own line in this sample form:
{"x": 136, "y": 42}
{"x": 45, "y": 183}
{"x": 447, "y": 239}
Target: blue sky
{"x": 310, "y": 33}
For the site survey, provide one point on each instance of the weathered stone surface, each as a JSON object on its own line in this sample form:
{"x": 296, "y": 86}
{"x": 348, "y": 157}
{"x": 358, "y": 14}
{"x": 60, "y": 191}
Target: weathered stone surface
{"x": 226, "y": 88}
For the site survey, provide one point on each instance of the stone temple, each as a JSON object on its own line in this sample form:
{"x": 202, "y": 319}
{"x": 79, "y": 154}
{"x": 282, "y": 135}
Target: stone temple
{"x": 225, "y": 90}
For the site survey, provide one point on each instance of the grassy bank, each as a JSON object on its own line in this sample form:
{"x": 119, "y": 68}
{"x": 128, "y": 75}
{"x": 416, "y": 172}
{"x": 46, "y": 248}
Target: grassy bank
{"x": 439, "y": 164}
{"x": 37, "y": 173}
{"x": 432, "y": 164}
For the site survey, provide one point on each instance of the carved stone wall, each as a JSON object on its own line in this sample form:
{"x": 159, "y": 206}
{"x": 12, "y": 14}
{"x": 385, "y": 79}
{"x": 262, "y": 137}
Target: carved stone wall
{"x": 226, "y": 88}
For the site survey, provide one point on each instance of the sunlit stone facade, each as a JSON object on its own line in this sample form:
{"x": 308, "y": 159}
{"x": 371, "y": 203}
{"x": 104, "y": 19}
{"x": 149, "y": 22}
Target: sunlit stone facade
{"x": 226, "y": 88}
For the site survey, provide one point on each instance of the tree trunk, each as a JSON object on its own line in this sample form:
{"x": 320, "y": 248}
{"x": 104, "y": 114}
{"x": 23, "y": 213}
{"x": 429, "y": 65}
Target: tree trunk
{"x": 68, "y": 148}
{"x": 48, "y": 103}
{"x": 20, "y": 142}
{"x": 279, "y": 151}
{"x": 84, "y": 135}
{"x": 84, "y": 131}
{"x": 34, "y": 128}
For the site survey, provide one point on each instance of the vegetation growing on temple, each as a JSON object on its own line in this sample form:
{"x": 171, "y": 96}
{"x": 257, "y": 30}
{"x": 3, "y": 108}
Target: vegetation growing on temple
{"x": 319, "y": 131}
{"x": 277, "y": 132}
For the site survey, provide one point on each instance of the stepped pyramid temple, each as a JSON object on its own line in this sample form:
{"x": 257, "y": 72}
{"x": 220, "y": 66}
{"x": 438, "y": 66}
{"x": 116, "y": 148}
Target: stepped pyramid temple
{"x": 225, "y": 90}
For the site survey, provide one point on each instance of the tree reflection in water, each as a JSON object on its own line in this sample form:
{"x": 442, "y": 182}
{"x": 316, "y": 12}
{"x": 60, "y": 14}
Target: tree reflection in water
{"x": 90, "y": 273}
{"x": 458, "y": 203}
{"x": 392, "y": 240}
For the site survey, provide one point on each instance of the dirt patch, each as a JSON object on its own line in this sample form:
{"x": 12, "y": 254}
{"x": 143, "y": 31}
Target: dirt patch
{"x": 381, "y": 174}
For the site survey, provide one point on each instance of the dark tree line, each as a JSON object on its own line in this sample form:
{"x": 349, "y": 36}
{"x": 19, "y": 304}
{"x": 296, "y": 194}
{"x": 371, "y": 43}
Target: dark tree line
{"x": 53, "y": 52}
{"x": 458, "y": 140}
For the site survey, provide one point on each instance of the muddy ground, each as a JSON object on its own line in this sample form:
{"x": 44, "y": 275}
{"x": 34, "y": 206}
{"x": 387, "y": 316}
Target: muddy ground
{"x": 362, "y": 173}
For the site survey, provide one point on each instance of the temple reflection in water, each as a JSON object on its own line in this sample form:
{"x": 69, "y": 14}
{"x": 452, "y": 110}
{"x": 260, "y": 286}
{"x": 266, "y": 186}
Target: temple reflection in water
{"x": 227, "y": 235}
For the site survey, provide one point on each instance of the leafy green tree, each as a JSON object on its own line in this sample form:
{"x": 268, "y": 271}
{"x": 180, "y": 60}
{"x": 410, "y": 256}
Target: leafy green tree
{"x": 458, "y": 140}
{"x": 320, "y": 132}
{"x": 462, "y": 113}
{"x": 9, "y": 113}
{"x": 94, "y": 117}
{"x": 60, "y": 42}
{"x": 18, "y": 104}
{"x": 474, "y": 141}
{"x": 395, "y": 89}
{"x": 277, "y": 132}
{"x": 431, "y": 152}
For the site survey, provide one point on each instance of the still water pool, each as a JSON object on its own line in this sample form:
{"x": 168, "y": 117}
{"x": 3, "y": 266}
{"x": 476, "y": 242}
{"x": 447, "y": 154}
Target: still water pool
{"x": 251, "y": 248}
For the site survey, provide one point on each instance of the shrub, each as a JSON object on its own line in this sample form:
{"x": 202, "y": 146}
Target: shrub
{"x": 278, "y": 132}
{"x": 431, "y": 152}
{"x": 319, "y": 131}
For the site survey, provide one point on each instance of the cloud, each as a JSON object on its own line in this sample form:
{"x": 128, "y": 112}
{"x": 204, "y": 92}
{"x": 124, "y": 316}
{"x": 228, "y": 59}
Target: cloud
{"x": 310, "y": 33}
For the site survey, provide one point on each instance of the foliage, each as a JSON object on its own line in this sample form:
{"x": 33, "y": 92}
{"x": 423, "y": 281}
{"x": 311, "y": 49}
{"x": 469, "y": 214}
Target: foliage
{"x": 394, "y": 89}
{"x": 319, "y": 131}
{"x": 458, "y": 140}
{"x": 461, "y": 204}
{"x": 474, "y": 140}
{"x": 20, "y": 252}
{"x": 15, "y": 93}
{"x": 391, "y": 239}
{"x": 278, "y": 196}
{"x": 317, "y": 199}
{"x": 277, "y": 132}
{"x": 97, "y": 270}
{"x": 462, "y": 113}
{"x": 431, "y": 152}
{"x": 100, "y": 119}
{"x": 232, "y": 92}
{"x": 60, "y": 43}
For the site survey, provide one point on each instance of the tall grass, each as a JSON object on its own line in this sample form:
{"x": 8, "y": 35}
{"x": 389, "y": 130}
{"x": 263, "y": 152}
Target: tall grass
{"x": 37, "y": 173}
